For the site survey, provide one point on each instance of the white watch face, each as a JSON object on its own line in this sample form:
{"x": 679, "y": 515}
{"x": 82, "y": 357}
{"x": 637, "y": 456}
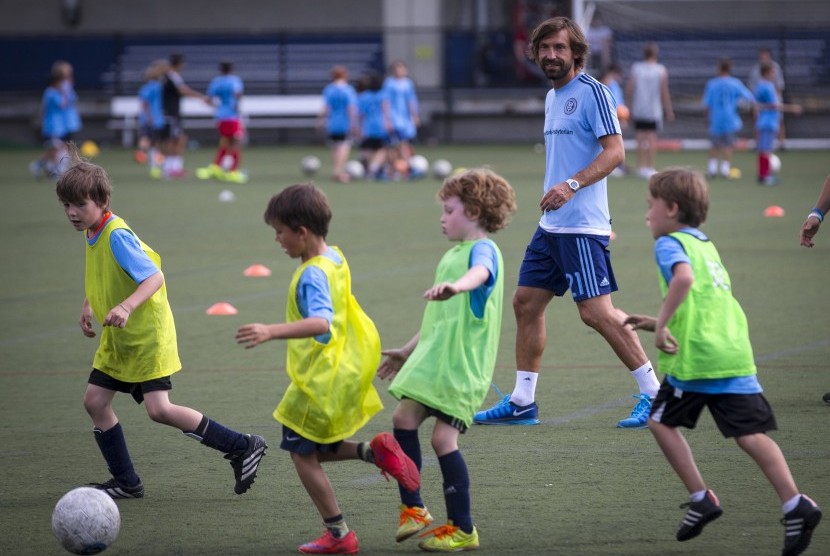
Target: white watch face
{"x": 573, "y": 184}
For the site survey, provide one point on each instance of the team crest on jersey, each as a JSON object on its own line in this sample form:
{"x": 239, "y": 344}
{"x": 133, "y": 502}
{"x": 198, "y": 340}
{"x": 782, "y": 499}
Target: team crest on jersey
{"x": 570, "y": 106}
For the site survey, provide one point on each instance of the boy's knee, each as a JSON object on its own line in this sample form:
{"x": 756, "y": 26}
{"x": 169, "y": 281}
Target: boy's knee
{"x": 158, "y": 413}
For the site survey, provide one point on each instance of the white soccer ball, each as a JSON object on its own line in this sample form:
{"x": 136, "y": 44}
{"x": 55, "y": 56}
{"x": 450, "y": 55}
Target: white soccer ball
{"x": 309, "y": 165}
{"x": 418, "y": 166}
{"x": 441, "y": 168}
{"x": 227, "y": 196}
{"x": 355, "y": 169}
{"x": 86, "y": 521}
{"x": 774, "y": 163}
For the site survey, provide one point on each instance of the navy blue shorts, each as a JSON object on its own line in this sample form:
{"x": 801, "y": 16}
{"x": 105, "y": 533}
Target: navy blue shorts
{"x": 294, "y": 442}
{"x": 135, "y": 389}
{"x": 562, "y": 262}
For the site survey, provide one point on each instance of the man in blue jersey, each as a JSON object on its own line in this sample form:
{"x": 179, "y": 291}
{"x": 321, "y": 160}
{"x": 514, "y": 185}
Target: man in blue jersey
{"x": 583, "y": 144}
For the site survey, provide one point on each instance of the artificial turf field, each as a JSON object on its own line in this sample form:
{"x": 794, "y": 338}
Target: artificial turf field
{"x": 573, "y": 485}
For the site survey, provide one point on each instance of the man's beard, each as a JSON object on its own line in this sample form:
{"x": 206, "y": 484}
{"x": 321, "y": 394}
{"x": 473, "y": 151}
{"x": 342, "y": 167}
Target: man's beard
{"x": 556, "y": 72}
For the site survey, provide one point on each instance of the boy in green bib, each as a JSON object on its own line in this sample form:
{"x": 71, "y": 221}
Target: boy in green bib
{"x": 333, "y": 351}
{"x": 702, "y": 334}
{"x": 126, "y": 293}
{"x": 444, "y": 371}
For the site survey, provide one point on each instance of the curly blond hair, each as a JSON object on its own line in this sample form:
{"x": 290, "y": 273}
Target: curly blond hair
{"x": 484, "y": 191}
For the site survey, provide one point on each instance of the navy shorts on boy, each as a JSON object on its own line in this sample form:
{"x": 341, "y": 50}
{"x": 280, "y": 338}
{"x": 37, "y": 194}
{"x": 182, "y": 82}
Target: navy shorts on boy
{"x": 294, "y": 442}
{"x": 559, "y": 262}
{"x": 735, "y": 414}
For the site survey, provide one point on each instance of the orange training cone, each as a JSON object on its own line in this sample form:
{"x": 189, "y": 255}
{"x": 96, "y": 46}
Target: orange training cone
{"x": 773, "y": 211}
{"x": 257, "y": 270}
{"x": 221, "y": 308}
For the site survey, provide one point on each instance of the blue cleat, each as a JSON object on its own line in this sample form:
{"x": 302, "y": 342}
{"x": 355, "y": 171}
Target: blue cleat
{"x": 506, "y": 412}
{"x": 639, "y": 415}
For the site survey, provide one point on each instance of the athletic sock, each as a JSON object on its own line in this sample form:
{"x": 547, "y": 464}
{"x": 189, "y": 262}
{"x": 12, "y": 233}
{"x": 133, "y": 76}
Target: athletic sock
{"x": 524, "y": 393}
{"x": 220, "y": 154}
{"x": 411, "y": 446}
{"x": 698, "y": 496}
{"x": 763, "y": 165}
{"x": 337, "y": 526}
{"x": 365, "y": 453}
{"x": 725, "y": 166}
{"x": 113, "y": 447}
{"x": 216, "y": 436}
{"x": 790, "y": 504}
{"x": 646, "y": 379}
{"x": 713, "y": 166}
{"x": 457, "y": 490}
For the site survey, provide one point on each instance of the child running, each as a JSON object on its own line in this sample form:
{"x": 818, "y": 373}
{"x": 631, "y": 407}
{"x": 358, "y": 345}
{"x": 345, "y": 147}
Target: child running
{"x": 706, "y": 355}
{"x": 333, "y": 351}
{"x": 445, "y": 370}
{"x": 126, "y": 293}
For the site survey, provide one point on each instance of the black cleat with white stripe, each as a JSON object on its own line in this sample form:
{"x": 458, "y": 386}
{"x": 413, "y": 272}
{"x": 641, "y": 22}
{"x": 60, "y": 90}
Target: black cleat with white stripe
{"x": 116, "y": 490}
{"x": 245, "y": 463}
{"x": 799, "y": 525}
{"x": 697, "y": 515}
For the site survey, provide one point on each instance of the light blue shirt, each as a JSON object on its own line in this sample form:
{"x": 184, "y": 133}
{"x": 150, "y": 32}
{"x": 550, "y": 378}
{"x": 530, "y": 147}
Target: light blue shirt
{"x": 669, "y": 252}
{"x": 72, "y": 116}
{"x": 314, "y": 295}
{"x": 339, "y": 98}
{"x": 370, "y": 108}
{"x": 722, "y": 96}
{"x": 227, "y": 89}
{"x": 769, "y": 118}
{"x": 53, "y": 123}
{"x": 151, "y": 113}
{"x": 128, "y": 253}
{"x": 576, "y": 116}
{"x": 483, "y": 253}
{"x": 400, "y": 93}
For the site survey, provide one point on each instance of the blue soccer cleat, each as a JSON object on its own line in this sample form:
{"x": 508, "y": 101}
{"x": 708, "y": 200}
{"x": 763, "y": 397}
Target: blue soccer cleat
{"x": 639, "y": 415}
{"x": 506, "y": 412}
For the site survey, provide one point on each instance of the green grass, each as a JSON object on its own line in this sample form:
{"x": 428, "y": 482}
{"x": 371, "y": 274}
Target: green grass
{"x": 573, "y": 485}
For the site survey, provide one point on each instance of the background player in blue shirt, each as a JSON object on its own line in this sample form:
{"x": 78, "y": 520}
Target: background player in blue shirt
{"x": 374, "y": 125}
{"x": 721, "y": 98}
{"x": 583, "y": 144}
{"x": 151, "y": 118}
{"x": 768, "y": 120}
{"x": 402, "y": 109}
{"x": 226, "y": 91}
{"x": 339, "y": 116}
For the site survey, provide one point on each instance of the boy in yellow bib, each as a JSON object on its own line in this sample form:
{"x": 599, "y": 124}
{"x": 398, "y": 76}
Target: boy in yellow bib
{"x": 445, "y": 370}
{"x": 333, "y": 351}
{"x": 126, "y": 293}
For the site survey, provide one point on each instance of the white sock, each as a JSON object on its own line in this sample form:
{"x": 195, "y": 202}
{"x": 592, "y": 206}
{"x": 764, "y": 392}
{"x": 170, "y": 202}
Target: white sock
{"x": 524, "y": 393}
{"x": 646, "y": 379}
{"x": 697, "y": 496}
{"x": 724, "y": 167}
{"x": 713, "y": 166}
{"x": 790, "y": 504}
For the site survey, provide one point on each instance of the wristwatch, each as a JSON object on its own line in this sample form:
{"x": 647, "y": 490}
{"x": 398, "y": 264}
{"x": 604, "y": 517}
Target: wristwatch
{"x": 573, "y": 184}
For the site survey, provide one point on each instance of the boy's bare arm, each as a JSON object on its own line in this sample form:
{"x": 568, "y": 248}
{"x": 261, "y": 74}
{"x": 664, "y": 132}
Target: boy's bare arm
{"x": 681, "y": 283}
{"x": 395, "y": 358}
{"x": 473, "y": 278}
{"x": 251, "y": 335}
{"x": 85, "y": 320}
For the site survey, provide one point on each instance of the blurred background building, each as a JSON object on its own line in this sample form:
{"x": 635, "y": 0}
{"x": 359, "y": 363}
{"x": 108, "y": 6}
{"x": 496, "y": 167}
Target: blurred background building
{"x": 467, "y": 57}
